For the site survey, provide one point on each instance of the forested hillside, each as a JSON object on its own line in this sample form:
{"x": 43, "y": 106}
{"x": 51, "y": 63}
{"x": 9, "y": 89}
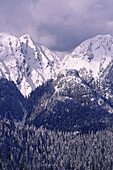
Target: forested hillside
{"x": 31, "y": 148}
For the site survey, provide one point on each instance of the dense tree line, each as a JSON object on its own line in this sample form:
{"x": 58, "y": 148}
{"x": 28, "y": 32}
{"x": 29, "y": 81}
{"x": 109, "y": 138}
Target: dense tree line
{"x": 12, "y": 103}
{"x": 30, "y": 148}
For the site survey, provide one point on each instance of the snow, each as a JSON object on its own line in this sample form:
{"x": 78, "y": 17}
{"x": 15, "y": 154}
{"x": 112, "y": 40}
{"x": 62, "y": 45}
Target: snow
{"x": 93, "y": 54}
{"x": 25, "y": 62}
{"x": 29, "y": 64}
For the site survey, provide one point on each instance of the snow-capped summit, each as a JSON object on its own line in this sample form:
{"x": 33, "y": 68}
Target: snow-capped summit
{"x": 93, "y": 55}
{"x": 29, "y": 64}
{"x": 25, "y": 62}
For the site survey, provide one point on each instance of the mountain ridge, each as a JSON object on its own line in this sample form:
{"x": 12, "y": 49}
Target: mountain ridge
{"x": 93, "y": 54}
{"x": 29, "y": 64}
{"x": 25, "y": 62}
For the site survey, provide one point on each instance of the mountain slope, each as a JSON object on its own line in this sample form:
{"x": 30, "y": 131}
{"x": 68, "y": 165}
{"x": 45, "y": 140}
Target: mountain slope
{"x": 68, "y": 103}
{"x": 29, "y": 64}
{"x": 12, "y": 103}
{"x": 92, "y": 56}
{"x": 25, "y": 62}
{"x": 82, "y": 80}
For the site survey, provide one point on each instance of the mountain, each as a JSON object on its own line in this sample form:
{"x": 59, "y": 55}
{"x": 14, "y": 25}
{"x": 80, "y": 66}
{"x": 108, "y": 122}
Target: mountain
{"x": 29, "y": 64}
{"x": 93, "y": 59}
{"x": 92, "y": 56}
{"x": 66, "y": 121}
{"x": 67, "y": 104}
{"x": 25, "y": 62}
{"x": 77, "y": 86}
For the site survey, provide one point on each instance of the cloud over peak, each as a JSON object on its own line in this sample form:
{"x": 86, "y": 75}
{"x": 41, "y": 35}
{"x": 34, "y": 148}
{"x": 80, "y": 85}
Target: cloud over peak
{"x": 59, "y": 25}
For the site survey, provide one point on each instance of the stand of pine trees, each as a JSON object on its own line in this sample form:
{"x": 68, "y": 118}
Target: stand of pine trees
{"x": 31, "y": 148}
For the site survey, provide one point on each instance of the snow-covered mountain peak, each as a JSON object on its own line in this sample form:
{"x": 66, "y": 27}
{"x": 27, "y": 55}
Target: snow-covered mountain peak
{"x": 27, "y": 39}
{"x": 26, "y": 36}
{"x": 25, "y": 62}
{"x": 29, "y": 64}
{"x": 98, "y": 46}
{"x": 94, "y": 55}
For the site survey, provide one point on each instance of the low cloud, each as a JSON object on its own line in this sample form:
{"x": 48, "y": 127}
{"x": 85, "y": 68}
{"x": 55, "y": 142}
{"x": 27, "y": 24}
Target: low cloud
{"x": 59, "y": 25}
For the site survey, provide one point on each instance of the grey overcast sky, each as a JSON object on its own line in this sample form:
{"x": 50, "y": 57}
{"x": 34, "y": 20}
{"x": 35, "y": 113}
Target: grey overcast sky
{"x": 58, "y": 24}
